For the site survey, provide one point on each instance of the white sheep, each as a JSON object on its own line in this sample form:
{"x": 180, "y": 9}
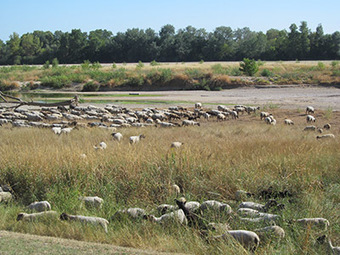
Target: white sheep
{"x": 136, "y": 139}
{"x": 310, "y": 128}
{"x": 164, "y": 208}
{"x": 248, "y": 239}
{"x": 133, "y": 213}
{"x": 326, "y": 136}
{"x": 206, "y": 116}
{"x": 39, "y": 206}
{"x": 117, "y": 136}
{"x": 218, "y": 227}
{"x": 310, "y": 118}
{"x": 234, "y": 115}
{"x": 56, "y": 130}
{"x": 5, "y": 196}
{"x": 36, "y": 216}
{"x": 176, "y": 144}
{"x": 190, "y": 123}
{"x": 198, "y": 105}
{"x": 92, "y": 202}
{"x": 102, "y": 146}
{"x": 321, "y": 223}
{"x": 192, "y": 206}
{"x": 270, "y": 232}
{"x": 288, "y": 122}
{"x": 241, "y": 195}
{"x": 263, "y": 115}
{"x": 86, "y": 220}
{"x": 332, "y": 249}
{"x": 310, "y": 109}
{"x": 216, "y": 206}
{"x": 176, "y": 216}
{"x": 257, "y": 206}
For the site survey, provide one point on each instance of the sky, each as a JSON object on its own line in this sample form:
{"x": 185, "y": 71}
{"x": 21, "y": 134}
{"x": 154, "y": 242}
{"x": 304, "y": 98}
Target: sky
{"x": 24, "y": 16}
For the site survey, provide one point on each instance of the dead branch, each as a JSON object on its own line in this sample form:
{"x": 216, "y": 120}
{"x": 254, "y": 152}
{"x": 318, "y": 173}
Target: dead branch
{"x": 18, "y": 102}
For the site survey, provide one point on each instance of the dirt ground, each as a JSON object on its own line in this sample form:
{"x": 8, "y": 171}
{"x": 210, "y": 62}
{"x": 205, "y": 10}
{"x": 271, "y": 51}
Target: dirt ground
{"x": 285, "y": 97}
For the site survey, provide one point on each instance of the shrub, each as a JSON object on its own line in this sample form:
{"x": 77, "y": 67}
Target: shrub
{"x": 8, "y": 85}
{"x": 154, "y": 63}
{"x": 219, "y": 69}
{"x": 235, "y": 71}
{"x": 140, "y": 65}
{"x": 267, "y": 73}
{"x": 320, "y": 66}
{"x": 86, "y": 64}
{"x": 55, "y": 63}
{"x": 249, "y": 66}
{"x": 96, "y": 65}
{"x": 114, "y": 66}
{"x": 334, "y": 64}
{"x": 46, "y": 65}
{"x": 56, "y": 82}
{"x": 91, "y": 86}
{"x": 201, "y": 61}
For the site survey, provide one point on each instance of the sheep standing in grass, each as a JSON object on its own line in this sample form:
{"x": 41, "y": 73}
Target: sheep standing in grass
{"x": 289, "y": 122}
{"x": 117, "y": 136}
{"x": 310, "y": 109}
{"x": 310, "y": 128}
{"x": 190, "y": 123}
{"x": 263, "y": 115}
{"x": 327, "y": 126}
{"x": 241, "y": 195}
{"x": 102, "y": 146}
{"x": 176, "y": 216}
{"x": 321, "y": 223}
{"x": 326, "y": 136}
{"x": 136, "y": 139}
{"x": 176, "y": 145}
{"x": 322, "y": 240}
{"x": 39, "y": 206}
{"x": 133, "y": 213}
{"x": 36, "y": 216}
{"x": 86, "y": 219}
{"x": 198, "y": 105}
{"x": 248, "y": 239}
{"x": 258, "y": 207}
{"x": 5, "y": 196}
{"x": 92, "y": 202}
{"x": 310, "y": 118}
{"x": 215, "y": 206}
{"x": 270, "y": 232}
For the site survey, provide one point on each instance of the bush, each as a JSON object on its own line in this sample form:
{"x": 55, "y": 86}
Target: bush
{"x": 140, "y": 65}
{"x": 320, "y": 66}
{"x": 8, "y": 85}
{"x": 96, "y": 65}
{"x": 249, "y": 66}
{"x": 56, "y": 82}
{"x": 154, "y": 63}
{"x": 91, "y": 86}
{"x": 219, "y": 69}
{"x": 86, "y": 64}
{"x": 334, "y": 64}
{"x": 55, "y": 63}
{"x": 267, "y": 73}
{"x": 46, "y": 65}
{"x": 114, "y": 66}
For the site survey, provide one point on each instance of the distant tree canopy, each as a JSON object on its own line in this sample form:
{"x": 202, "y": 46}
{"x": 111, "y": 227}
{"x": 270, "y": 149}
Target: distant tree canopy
{"x": 188, "y": 44}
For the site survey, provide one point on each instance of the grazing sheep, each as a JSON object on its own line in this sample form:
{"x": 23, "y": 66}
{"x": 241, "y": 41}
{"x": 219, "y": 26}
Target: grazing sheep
{"x": 164, "y": 208}
{"x": 263, "y": 115}
{"x": 221, "y": 117}
{"x": 86, "y": 219}
{"x": 92, "y": 202}
{"x": 270, "y": 232}
{"x": 192, "y": 206}
{"x": 133, "y": 213}
{"x": 198, "y": 105}
{"x": 321, "y": 223}
{"x": 176, "y": 144}
{"x": 36, "y": 216}
{"x": 270, "y": 120}
{"x": 310, "y": 109}
{"x": 219, "y": 227}
{"x": 251, "y": 109}
{"x": 117, "y": 136}
{"x": 247, "y": 212}
{"x": 258, "y": 207}
{"x": 215, "y": 205}
{"x": 176, "y": 189}
{"x": 234, "y": 115}
{"x": 331, "y": 249}
{"x": 136, "y": 139}
{"x": 327, "y": 136}
{"x": 193, "y": 220}
{"x": 39, "y": 206}
{"x": 206, "y": 116}
{"x": 310, "y": 118}
{"x": 102, "y": 146}
{"x": 327, "y": 126}
{"x": 310, "y": 128}
{"x": 56, "y": 130}
{"x": 289, "y": 122}
{"x": 190, "y": 123}
{"x": 176, "y": 216}
{"x": 5, "y": 196}
{"x": 241, "y": 194}
{"x": 248, "y": 239}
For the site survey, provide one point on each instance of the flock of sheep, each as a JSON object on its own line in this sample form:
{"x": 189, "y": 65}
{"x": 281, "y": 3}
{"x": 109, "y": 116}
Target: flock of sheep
{"x": 192, "y": 213}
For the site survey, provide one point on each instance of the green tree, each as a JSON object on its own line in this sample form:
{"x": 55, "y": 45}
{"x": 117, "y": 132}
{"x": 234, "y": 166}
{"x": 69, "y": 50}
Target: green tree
{"x": 30, "y": 48}
{"x": 14, "y": 48}
{"x": 249, "y": 66}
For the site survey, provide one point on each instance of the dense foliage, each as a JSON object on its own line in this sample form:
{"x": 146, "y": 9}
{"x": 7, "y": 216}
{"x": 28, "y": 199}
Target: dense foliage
{"x": 188, "y": 44}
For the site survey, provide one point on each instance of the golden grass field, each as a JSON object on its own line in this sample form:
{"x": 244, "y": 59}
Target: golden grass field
{"x": 217, "y": 159}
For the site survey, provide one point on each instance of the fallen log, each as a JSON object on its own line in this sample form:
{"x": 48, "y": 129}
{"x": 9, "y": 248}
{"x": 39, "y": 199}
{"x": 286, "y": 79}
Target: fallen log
{"x": 19, "y": 102}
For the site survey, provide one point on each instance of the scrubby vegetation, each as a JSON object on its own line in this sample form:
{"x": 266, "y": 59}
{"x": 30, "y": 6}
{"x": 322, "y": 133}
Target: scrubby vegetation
{"x": 160, "y": 76}
{"x": 215, "y": 161}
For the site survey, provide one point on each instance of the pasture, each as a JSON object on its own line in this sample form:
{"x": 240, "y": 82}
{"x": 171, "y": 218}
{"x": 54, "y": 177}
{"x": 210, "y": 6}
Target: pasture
{"x": 217, "y": 159}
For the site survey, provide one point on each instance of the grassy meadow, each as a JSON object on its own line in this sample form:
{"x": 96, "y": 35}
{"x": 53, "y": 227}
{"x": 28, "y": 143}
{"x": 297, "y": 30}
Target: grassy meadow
{"x": 166, "y": 76}
{"x": 216, "y": 159}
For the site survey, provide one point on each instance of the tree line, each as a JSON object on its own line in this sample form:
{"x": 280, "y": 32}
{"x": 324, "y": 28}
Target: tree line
{"x": 169, "y": 45}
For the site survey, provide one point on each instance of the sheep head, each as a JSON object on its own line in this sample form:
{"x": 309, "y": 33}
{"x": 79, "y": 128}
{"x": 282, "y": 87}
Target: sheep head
{"x": 20, "y": 216}
{"x": 64, "y": 216}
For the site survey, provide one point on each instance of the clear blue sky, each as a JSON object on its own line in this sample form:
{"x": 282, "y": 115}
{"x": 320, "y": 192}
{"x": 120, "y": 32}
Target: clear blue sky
{"x": 22, "y": 16}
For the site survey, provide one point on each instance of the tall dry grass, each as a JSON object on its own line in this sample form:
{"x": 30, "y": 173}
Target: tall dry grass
{"x": 215, "y": 161}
